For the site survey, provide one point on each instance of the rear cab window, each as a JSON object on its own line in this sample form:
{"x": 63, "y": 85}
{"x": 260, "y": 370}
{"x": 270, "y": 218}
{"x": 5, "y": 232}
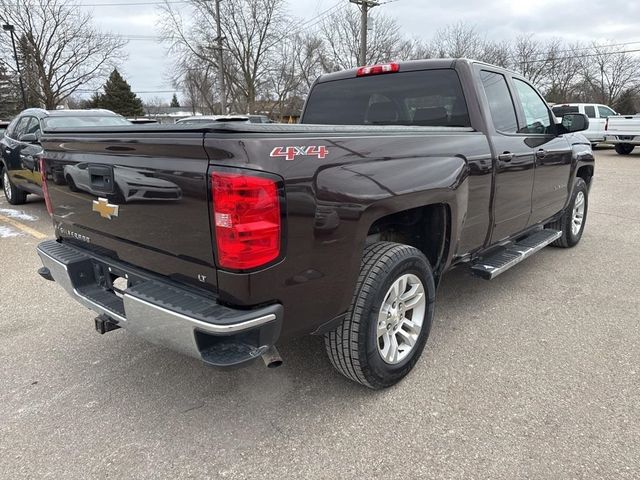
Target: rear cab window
{"x": 417, "y": 98}
{"x": 501, "y": 106}
{"x": 561, "y": 110}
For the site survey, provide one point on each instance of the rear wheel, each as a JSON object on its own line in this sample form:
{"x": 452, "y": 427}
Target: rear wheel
{"x": 624, "y": 148}
{"x": 388, "y": 323}
{"x": 574, "y": 218}
{"x": 13, "y": 194}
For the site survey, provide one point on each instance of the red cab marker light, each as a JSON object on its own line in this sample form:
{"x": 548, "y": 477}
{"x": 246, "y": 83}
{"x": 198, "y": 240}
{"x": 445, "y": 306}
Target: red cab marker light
{"x": 378, "y": 69}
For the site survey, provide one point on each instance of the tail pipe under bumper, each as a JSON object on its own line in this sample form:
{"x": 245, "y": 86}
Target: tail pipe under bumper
{"x": 162, "y": 312}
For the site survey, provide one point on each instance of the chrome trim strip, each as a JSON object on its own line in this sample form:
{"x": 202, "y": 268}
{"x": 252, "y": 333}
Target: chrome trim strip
{"x": 208, "y": 327}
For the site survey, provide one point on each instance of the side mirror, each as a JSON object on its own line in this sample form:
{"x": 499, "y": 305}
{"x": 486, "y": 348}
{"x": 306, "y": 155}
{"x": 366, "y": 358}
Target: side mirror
{"x": 28, "y": 138}
{"x": 575, "y": 122}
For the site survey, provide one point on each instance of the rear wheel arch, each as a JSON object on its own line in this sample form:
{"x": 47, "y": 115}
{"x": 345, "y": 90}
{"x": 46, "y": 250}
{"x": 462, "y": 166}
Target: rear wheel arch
{"x": 427, "y": 228}
{"x": 585, "y": 172}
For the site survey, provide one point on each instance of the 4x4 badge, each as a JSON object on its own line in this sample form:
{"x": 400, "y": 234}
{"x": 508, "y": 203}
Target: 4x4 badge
{"x": 290, "y": 153}
{"x": 105, "y": 209}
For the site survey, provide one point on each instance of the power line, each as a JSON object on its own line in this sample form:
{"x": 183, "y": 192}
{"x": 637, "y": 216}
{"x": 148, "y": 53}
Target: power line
{"x": 572, "y": 57}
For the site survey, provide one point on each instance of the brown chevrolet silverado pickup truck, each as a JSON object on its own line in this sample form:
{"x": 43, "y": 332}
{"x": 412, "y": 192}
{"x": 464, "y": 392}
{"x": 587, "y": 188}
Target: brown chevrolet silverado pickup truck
{"x": 219, "y": 239}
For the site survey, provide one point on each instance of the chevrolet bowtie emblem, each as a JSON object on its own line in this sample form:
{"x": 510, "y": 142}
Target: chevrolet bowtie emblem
{"x": 105, "y": 209}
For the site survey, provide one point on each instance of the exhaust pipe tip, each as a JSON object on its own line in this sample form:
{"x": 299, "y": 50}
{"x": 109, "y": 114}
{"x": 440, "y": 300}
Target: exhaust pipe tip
{"x": 272, "y": 358}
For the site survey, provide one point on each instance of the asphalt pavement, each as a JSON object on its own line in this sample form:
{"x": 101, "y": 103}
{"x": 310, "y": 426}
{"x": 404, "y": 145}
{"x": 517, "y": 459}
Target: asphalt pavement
{"x": 535, "y": 374}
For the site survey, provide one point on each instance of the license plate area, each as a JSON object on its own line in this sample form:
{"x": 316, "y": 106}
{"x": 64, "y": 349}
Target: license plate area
{"x": 105, "y": 286}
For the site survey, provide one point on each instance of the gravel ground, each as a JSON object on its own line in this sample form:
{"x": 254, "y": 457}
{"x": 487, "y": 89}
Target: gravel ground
{"x": 532, "y": 375}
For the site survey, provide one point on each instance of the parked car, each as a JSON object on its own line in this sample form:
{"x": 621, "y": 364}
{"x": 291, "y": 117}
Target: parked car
{"x": 224, "y": 118}
{"x": 3, "y": 127}
{"x": 597, "y": 114}
{"x": 342, "y": 228}
{"x": 623, "y": 132}
{"x": 21, "y": 148}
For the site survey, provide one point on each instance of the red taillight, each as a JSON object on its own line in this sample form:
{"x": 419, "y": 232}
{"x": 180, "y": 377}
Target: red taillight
{"x": 378, "y": 69}
{"x": 45, "y": 188}
{"x": 246, "y": 216}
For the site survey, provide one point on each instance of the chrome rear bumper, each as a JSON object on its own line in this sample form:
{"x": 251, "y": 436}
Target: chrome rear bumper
{"x": 162, "y": 312}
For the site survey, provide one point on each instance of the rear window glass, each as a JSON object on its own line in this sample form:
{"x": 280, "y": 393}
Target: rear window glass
{"x": 422, "y": 98}
{"x": 84, "y": 121}
{"x": 564, "y": 109}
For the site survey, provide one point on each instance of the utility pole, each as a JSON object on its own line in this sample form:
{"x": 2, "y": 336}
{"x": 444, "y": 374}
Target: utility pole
{"x": 223, "y": 93}
{"x": 11, "y": 29}
{"x": 364, "y": 5}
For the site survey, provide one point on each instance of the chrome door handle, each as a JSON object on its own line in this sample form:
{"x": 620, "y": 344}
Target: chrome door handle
{"x": 505, "y": 157}
{"x": 541, "y": 153}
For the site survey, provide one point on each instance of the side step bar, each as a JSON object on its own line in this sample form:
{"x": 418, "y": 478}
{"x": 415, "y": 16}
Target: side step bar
{"x": 506, "y": 257}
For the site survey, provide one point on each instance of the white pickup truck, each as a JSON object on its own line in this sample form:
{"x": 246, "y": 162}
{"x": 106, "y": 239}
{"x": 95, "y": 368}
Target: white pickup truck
{"x": 623, "y": 131}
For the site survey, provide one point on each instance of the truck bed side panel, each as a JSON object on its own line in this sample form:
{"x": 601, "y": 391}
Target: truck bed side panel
{"x": 332, "y": 202}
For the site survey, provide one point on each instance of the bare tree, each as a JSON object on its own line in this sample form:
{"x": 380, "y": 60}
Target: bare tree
{"x": 340, "y": 33}
{"x": 609, "y": 73}
{"x": 459, "y": 40}
{"x": 563, "y": 74}
{"x": 254, "y": 31}
{"x": 154, "y": 106}
{"x": 66, "y": 51}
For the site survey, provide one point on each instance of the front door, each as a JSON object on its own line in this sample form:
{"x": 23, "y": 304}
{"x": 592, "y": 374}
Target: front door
{"x": 552, "y": 153}
{"x": 513, "y": 160}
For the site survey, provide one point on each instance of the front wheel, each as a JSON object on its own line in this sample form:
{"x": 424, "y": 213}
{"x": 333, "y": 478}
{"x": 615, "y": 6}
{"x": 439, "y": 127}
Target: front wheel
{"x": 624, "y": 148}
{"x": 13, "y": 194}
{"x": 385, "y": 330}
{"x": 574, "y": 217}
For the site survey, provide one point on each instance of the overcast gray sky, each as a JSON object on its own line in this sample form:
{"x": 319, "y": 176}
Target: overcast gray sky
{"x": 619, "y": 20}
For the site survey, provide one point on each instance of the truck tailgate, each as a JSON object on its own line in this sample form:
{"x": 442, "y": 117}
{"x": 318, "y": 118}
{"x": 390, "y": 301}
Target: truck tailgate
{"x": 624, "y": 125}
{"x": 139, "y": 197}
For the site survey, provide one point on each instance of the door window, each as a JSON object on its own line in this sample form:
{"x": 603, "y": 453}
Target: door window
{"x": 590, "y": 111}
{"x": 535, "y": 110}
{"x": 500, "y": 102}
{"x": 605, "y": 112}
{"x": 33, "y": 126}
{"x": 20, "y": 128}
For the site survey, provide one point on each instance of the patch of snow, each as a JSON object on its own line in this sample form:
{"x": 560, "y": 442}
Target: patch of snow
{"x": 17, "y": 214}
{"x": 8, "y": 232}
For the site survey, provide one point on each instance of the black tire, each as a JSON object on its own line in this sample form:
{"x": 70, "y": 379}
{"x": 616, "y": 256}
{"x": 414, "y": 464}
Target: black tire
{"x": 353, "y": 347}
{"x": 569, "y": 238}
{"x": 71, "y": 184}
{"x": 13, "y": 194}
{"x": 624, "y": 148}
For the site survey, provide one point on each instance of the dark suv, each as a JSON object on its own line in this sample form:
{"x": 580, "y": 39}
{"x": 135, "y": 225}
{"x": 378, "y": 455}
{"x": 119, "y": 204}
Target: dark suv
{"x": 21, "y": 150}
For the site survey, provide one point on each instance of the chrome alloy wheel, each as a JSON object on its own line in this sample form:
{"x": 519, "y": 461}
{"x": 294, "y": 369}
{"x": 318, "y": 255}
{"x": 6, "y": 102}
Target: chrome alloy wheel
{"x": 400, "y": 319}
{"x": 578, "y": 214}
{"x": 6, "y": 185}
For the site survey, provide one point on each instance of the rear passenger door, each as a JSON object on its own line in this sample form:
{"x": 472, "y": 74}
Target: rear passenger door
{"x": 513, "y": 159}
{"x": 595, "y": 133}
{"x": 603, "y": 114}
{"x": 552, "y": 153}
